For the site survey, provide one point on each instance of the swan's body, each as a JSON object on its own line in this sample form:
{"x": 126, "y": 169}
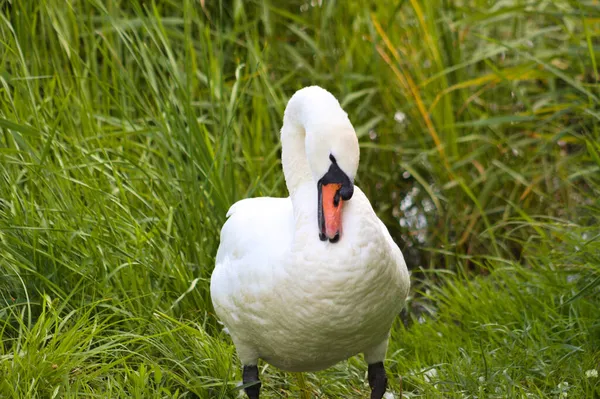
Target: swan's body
{"x": 305, "y": 304}
{"x": 286, "y": 296}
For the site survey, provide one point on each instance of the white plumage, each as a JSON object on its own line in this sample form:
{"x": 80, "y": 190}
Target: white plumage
{"x": 299, "y": 303}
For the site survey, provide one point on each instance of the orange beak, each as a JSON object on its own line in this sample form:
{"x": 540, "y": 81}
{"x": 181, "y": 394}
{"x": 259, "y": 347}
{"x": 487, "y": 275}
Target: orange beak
{"x": 330, "y": 212}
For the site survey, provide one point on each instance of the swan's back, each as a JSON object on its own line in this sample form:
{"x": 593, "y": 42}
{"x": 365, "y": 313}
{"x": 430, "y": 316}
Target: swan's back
{"x": 256, "y": 226}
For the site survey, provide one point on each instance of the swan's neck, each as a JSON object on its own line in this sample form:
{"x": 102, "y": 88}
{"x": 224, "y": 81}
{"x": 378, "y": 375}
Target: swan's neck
{"x": 293, "y": 158}
{"x": 307, "y": 111}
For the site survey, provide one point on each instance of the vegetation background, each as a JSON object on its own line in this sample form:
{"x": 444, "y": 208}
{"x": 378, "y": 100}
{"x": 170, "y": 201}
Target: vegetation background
{"x": 127, "y": 129}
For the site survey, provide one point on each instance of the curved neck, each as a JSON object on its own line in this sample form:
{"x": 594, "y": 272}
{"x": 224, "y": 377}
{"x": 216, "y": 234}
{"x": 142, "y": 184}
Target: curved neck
{"x": 308, "y": 109}
{"x": 296, "y": 169}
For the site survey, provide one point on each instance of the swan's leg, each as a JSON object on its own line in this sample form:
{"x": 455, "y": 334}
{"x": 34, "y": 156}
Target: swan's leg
{"x": 249, "y": 357}
{"x": 376, "y": 374}
{"x": 377, "y": 380}
{"x": 250, "y": 376}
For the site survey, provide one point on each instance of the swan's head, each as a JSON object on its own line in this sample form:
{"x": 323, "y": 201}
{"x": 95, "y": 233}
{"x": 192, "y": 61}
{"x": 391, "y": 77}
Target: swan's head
{"x": 333, "y": 154}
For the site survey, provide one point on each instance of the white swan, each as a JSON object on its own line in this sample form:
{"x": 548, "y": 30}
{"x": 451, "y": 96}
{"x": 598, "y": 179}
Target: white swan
{"x": 310, "y": 280}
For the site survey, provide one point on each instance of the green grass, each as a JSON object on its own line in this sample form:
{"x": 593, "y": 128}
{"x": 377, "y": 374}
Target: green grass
{"x": 126, "y": 132}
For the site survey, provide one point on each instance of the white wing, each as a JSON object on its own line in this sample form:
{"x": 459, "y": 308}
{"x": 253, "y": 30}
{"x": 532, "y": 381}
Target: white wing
{"x": 257, "y": 234}
{"x": 256, "y": 226}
